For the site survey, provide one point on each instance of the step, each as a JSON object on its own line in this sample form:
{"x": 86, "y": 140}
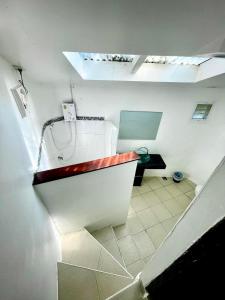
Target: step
{"x": 133, "y": 291}
{"x": 81, "y": 283}
{"x": 82, "y": 249}
{"x": 106, "y": 237}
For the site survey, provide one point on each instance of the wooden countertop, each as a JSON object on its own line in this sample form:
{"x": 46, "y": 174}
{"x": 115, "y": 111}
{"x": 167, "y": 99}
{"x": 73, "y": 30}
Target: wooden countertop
{"x": 77, "y": 169}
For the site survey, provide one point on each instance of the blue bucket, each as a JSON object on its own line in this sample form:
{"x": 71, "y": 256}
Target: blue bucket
{"x": 178, "y": 176}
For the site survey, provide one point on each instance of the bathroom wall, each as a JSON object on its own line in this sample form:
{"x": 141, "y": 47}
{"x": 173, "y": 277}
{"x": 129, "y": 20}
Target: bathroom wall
{"x": 194, "y": 147}
{"x": 29, "y": 245}
{"x": 77, "y": 142}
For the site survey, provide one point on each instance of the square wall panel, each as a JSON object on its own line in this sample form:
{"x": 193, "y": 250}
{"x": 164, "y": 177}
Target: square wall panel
{"x": 139, "y": 125}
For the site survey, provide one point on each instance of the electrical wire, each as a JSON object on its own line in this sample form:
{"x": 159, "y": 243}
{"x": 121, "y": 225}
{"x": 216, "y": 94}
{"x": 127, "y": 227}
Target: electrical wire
{"x": 45, "y": 125}
{"x": 69, "y": 143}
{"x": 54, "y": 139}
{"x": 20, "y": 70}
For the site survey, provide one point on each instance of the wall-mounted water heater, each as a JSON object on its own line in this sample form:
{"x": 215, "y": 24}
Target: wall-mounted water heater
{"x": 69, "y": 111}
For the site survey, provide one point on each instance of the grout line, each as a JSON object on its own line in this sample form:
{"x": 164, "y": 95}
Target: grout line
{"x": 139, "y": 254}
{"x": 93, "y": 270}
{"x": 160, "y": 222}
{"x": 119, "y": 248}
{"x": 142, "y": 259}
{"x": 99, "y": 258}
{"x": 98, "y": 288}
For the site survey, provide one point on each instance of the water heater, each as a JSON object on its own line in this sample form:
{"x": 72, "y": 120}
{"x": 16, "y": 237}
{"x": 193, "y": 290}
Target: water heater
{"x": 69, "y": 111}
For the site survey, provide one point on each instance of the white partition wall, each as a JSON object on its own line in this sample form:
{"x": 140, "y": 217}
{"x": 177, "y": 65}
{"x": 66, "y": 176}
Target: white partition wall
{"x": 93, "y": 200}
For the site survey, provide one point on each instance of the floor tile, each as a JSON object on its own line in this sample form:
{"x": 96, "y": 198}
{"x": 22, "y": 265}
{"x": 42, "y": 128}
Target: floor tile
{"x": 161, "y": 212}
{"x": 131, "y": 211}
{"x": 183, "y": 201}
{"x": 134, "y": 194}
{"x": 173, "y": 190}
{"x": 113, "y": 248}
{"x": 134, "y": 225}
{"x": 135, "y": 268}
{"x": 109, "y": 284}
{"x": 184, "y": 187}
{"x": 147, "y": 259}
{"x": 144, "y": 188}
{"x": 190, "y": 194}
{"x": 108, "y": 264}
{"x": 129, "y": 250}
{"x": 173, "y": 207}
{"x": 150, "y": 198}
{"x": 72, "y": 283}
{"x": 84, "y": 249}
{"x": 103, "y": 234}
{"x": 163, "y": 194}
{"x": 144, "y": 244}
{"x": 166, "y": 182}
{"x": 147, "y": 218}
{"x": 169, "y": 223}
{"x": 157, "y": 234}
{"x": 135, "y": 191}
{"x": 146, "y": 179}
{"x": 138, "y": 203}
{"x": 154, "y": 183}
{"x": 121, "y": 231}
{"x": 191, "y": 183}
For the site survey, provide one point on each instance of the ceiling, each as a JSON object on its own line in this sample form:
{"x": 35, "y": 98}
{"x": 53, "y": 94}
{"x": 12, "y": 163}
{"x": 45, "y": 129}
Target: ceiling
{"x": 34, "y": 33}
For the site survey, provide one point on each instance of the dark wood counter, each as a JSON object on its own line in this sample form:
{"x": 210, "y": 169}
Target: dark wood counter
{"x": 155, "y": 162}
{"x": 90, "y": 166}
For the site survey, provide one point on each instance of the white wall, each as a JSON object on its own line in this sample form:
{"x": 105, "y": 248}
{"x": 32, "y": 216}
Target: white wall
{"x": 29, "y": 248}
{"x": 195, "y": 147}
{"x": 211, "y": 68}
{"x": 204, "y": 212}
{"x": 93, "y": 200}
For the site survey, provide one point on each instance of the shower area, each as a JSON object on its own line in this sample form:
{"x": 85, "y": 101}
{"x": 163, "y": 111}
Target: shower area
{"x": 66, "y": 143}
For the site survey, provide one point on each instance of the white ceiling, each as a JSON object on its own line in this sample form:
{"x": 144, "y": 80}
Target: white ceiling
{"x": 34, "y": 33}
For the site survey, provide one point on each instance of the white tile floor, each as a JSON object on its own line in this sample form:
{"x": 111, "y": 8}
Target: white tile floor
{"x": 155, "y": 208}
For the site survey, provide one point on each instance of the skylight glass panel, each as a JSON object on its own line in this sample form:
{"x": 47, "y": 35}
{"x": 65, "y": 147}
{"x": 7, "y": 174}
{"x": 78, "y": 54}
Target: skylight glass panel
{"x": 107, "y": 57}
{"x": 176, "y": 60}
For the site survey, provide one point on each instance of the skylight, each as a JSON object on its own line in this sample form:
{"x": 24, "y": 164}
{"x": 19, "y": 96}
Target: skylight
{"x": 106, "y": 57}
{"x": 129, "y": 67}
{"x": 176, "y": 60}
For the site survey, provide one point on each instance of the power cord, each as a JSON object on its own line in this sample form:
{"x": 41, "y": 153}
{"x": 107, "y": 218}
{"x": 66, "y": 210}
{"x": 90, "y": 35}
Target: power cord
{"x": 20, "y": 70}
